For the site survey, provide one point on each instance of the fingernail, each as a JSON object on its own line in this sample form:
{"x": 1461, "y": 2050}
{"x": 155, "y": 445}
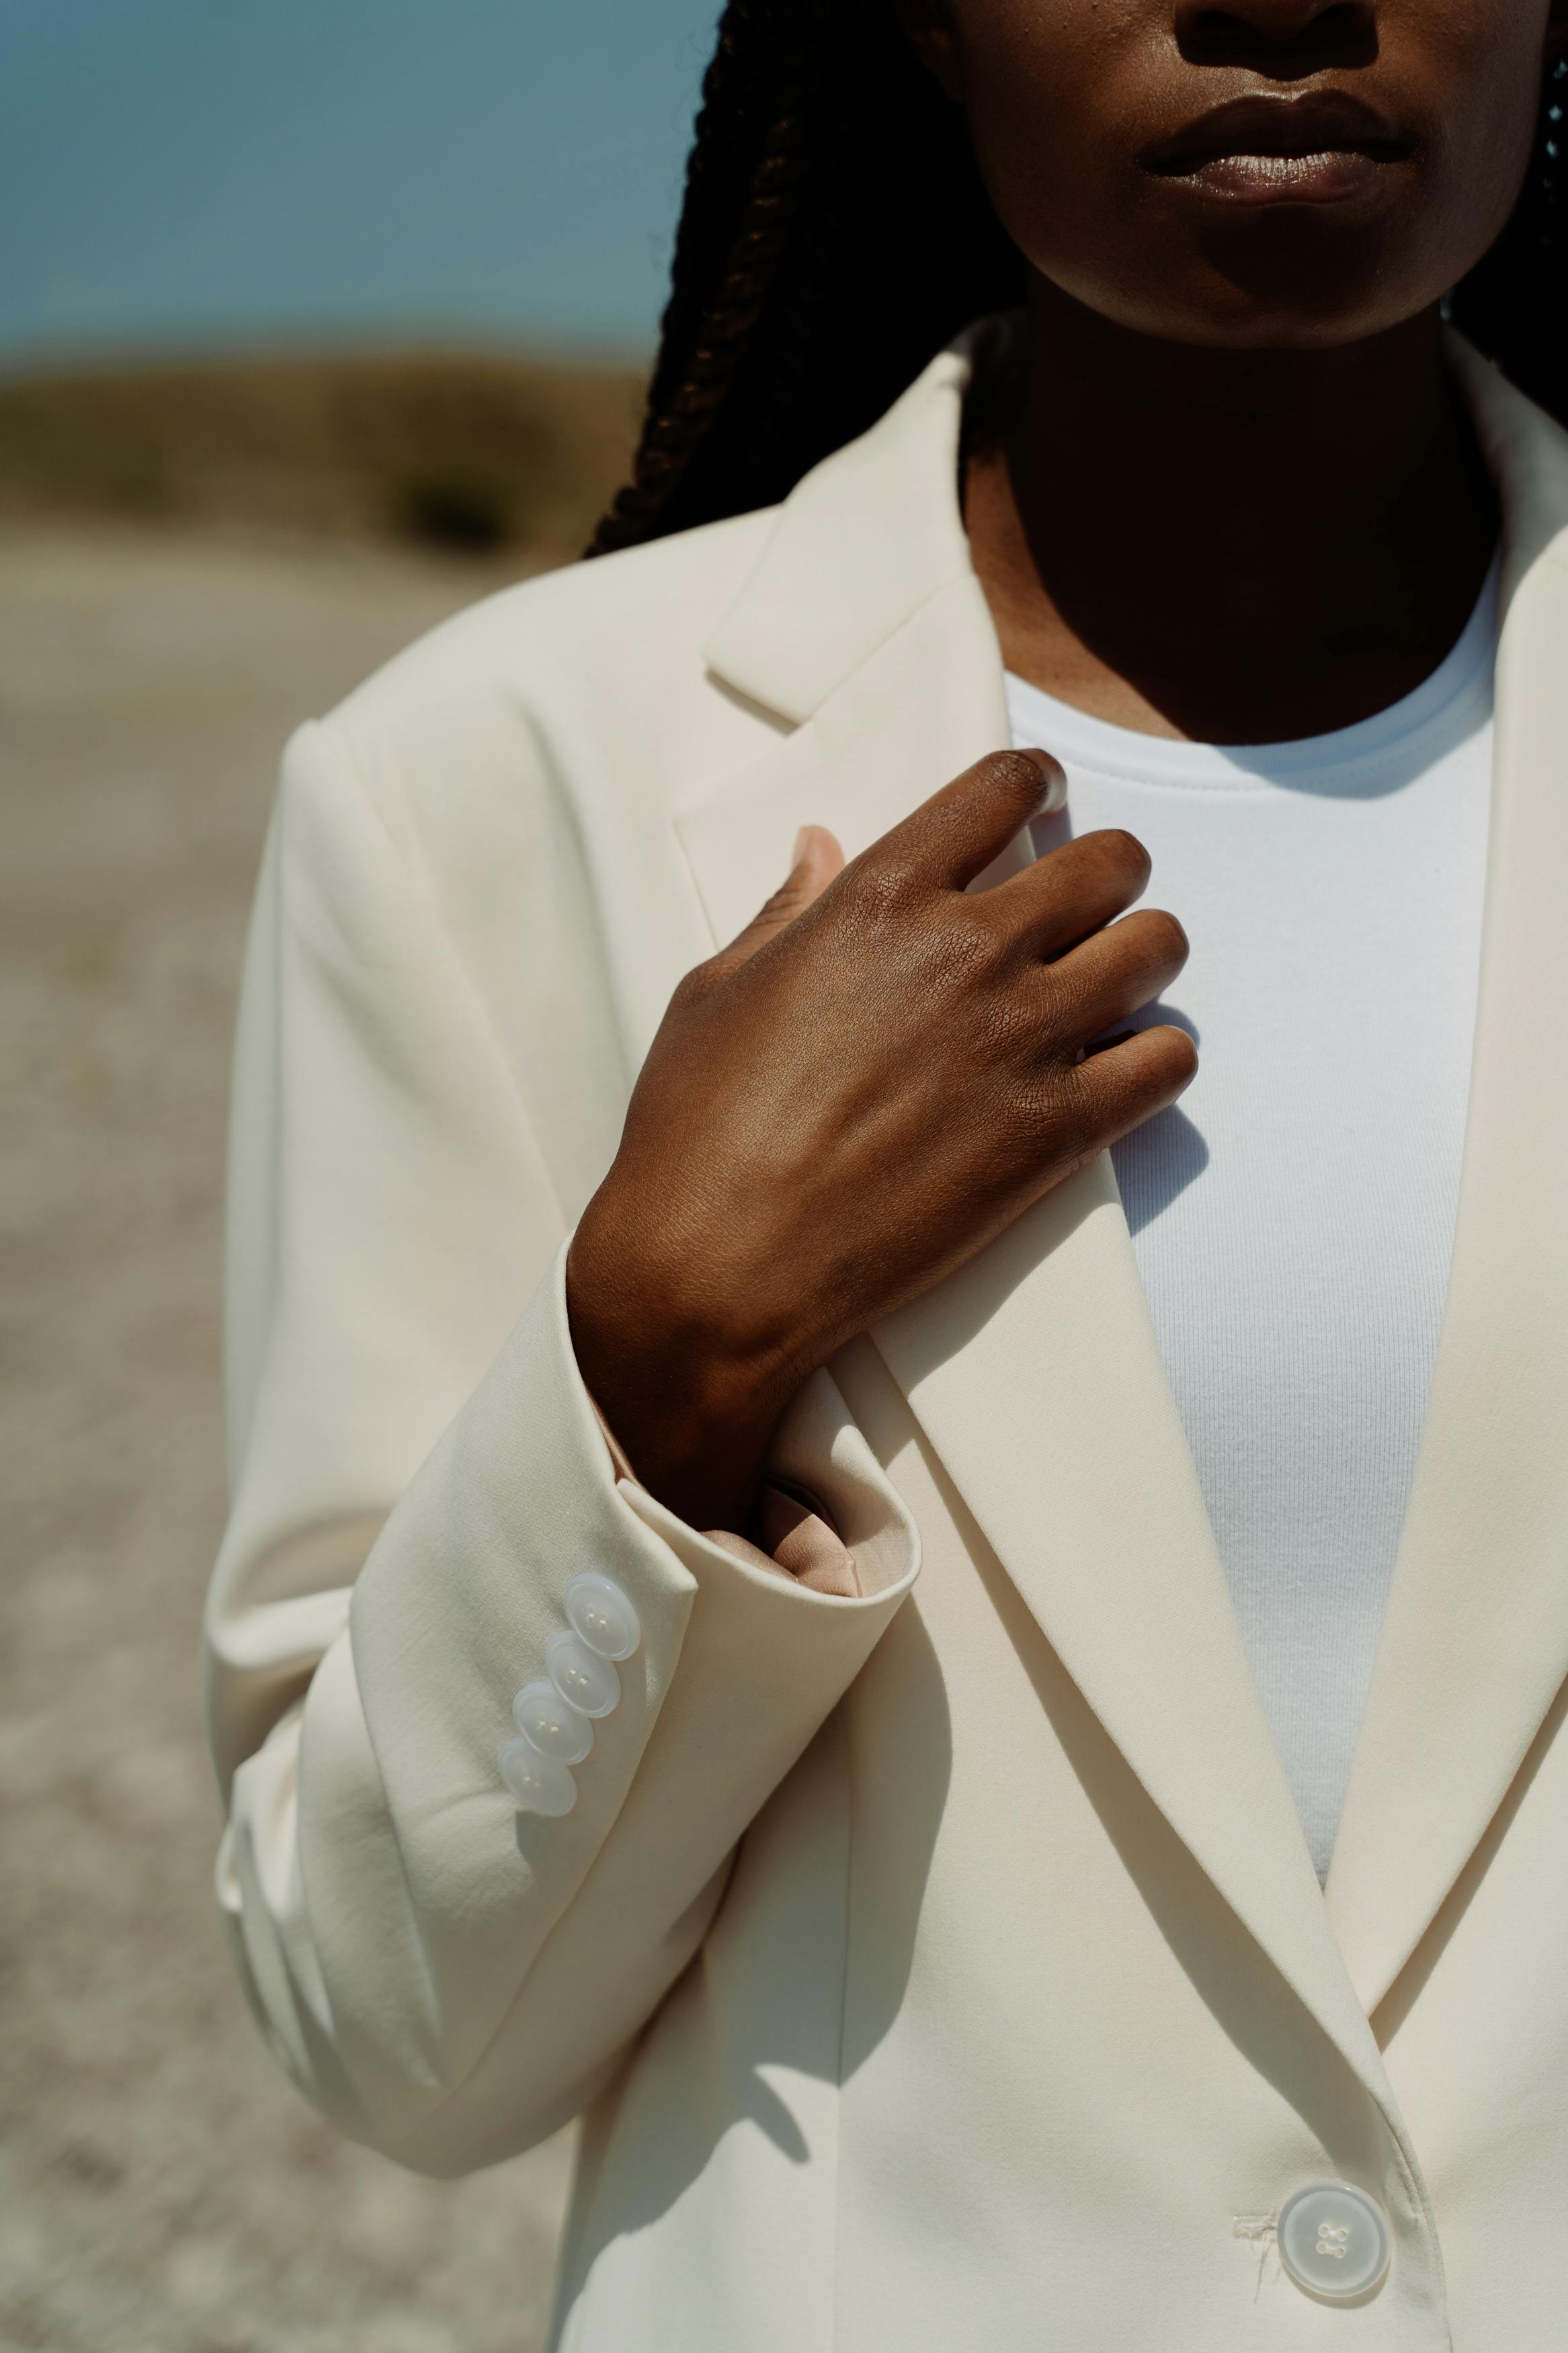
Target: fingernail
{"x": 1056, "y": 782}
{"x": 802, "y": 838}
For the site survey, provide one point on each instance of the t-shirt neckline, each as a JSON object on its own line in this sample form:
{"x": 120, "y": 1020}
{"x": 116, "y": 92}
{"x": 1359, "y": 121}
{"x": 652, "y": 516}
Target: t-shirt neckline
{"x": 1445, "y": 710}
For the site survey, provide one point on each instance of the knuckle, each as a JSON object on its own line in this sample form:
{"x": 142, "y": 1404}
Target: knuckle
{"x": 1066, "y": 998}
{"x": 945, "y": 948}
{"x": 1017, "y": 1034}
{"x": 783, "y": 906}
{"x": 879, "y": 889}
{"x": 1050, "y": 1115}
{"x": 699, "y": 983}
{"x": 1021, "y": 1114}
{"x": 1080, "y": 1132}
{"x": 965, "y": 942}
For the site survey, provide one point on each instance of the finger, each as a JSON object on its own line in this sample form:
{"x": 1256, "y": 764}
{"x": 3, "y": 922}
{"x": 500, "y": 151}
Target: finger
{"x": 817, "y": 858}
{"x": 1104, "y": 1045}
{"x": 1072, "y": 891}
{"x": 1129, "y": 1083}
{"x": 1113, "y": 976}
{"x": 955, "y": 835}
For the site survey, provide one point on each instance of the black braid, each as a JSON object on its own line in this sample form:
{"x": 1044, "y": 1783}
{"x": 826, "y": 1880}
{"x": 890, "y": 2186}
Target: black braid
{"x": 747, "y": 166}
{"x": 836, "y": 235}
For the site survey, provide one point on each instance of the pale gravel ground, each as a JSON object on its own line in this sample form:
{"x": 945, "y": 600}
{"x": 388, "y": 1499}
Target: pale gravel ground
{"x": 161, "y": 2190}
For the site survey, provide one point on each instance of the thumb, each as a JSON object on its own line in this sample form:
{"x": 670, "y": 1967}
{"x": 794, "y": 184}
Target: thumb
{"x": 817, "y": 858}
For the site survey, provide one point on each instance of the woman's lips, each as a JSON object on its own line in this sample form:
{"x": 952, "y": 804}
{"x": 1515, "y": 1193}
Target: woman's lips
{"x": 1325, "y": 176}
{"x": 1320, "y": 148}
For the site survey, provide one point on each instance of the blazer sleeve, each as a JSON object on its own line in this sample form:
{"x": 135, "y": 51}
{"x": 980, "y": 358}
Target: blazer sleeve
{"x": 417, "y": 1477}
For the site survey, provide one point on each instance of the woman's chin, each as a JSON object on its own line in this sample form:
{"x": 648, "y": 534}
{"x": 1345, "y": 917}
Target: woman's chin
{"x": 1280, "y": 278}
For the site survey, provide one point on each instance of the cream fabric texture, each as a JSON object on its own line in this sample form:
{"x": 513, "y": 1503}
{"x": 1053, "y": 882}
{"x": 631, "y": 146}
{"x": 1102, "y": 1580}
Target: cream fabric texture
{"x": 939, "y": 1966}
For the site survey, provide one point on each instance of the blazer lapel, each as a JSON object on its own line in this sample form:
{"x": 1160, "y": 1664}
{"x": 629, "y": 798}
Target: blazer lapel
{"x": 925, "y": 704}
{"x": 1034, "y": 1370}
{"x": 1475, "y": 1643}
{"x": 864, "y": 627}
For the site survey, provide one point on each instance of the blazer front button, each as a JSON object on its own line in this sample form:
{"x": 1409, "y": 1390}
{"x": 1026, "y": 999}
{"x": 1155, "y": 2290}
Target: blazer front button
{"x": 590, "y": 1682}
{"x": 1333, "y": 2241}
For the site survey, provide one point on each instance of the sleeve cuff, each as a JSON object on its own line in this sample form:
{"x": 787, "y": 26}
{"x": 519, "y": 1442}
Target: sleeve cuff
{"x": 799, "y": 1542}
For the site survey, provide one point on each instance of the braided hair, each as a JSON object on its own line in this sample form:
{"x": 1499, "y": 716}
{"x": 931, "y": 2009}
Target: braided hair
{"x": 836, "y": 235}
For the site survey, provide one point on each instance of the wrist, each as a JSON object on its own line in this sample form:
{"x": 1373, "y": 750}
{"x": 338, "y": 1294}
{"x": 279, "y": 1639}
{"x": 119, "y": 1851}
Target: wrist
{"x": 693, "y": 1403}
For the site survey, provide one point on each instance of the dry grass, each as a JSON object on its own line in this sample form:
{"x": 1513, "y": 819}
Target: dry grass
{"x": 477, "y": 452}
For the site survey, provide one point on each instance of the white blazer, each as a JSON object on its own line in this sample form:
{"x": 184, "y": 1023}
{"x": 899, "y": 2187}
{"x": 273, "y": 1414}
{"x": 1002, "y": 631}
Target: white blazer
{"x": 941, "y": 1969}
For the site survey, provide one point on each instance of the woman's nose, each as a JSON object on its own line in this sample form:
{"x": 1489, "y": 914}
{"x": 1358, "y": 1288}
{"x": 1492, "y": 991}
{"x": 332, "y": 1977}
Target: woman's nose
{"x": 1285, "y": 39}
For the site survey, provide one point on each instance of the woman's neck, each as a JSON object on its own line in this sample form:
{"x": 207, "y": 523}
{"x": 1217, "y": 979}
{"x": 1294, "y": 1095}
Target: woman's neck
{"x": 1232, "y": 546}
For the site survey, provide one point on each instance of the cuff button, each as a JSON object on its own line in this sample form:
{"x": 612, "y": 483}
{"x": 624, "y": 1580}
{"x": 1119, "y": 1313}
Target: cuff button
{"x": 586, "y": 1682}
{"x": 542, "y": 1785}
{"x": 601, "y": 1616}
{"x": 553, "y": 1726}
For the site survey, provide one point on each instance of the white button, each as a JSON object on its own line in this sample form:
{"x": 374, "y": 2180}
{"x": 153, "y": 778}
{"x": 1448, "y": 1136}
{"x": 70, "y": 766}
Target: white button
{"x": 542, "y": 1785}
{"x": 601, "y": 1613}
{"x": 1333, "y": 2239}
{"x": 554, "y": 1728}
{"x": 590, "y": 1684}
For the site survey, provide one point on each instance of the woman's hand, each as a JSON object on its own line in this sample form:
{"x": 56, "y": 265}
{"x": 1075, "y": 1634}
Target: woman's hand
{"x": 878, "y": 1076}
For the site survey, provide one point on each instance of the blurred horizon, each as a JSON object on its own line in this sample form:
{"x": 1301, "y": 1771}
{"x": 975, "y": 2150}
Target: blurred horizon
{"x": 200, "y": 177}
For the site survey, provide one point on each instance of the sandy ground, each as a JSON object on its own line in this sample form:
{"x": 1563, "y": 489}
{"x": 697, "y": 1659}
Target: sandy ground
{"x": 161, "y": 2190}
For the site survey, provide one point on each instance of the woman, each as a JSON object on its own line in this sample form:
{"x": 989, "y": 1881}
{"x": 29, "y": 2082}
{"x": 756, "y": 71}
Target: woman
{"x": 952, "y": 1964}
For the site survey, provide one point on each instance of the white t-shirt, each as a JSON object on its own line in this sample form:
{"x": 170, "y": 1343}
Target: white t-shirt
{"x": 1294, "y": 1216}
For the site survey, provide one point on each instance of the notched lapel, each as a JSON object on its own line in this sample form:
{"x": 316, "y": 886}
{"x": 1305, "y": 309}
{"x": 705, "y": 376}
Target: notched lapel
{"x": 1034, "y": 1370}
{"x": 925, "y": 705}
{"x": 1036, "y": 1373}
{"x": 1475, "y": 1640}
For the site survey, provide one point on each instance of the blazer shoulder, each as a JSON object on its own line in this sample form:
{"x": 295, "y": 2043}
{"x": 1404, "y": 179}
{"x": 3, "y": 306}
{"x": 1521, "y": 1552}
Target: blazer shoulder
{"x": 550, "y": 653}
{"x": 583, "y": 692}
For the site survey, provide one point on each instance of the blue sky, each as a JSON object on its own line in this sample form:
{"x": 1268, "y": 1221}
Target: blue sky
{"x": 193, "y": 173}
